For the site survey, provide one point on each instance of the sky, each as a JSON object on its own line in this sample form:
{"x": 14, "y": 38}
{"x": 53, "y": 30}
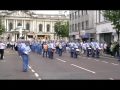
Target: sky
{"x": 66, "y": 12}
{"x": 50, "y": 11}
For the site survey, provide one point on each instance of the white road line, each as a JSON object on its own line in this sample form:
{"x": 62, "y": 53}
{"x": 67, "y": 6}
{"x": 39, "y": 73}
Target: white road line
{"x": 29, "y": 67}
{"x": 39, "y": 79}
{"x": 36, "y": 75}
{"x": 83, "y": 68}
{"x": 88, "y": 58}
{"x": 111, "y": 78}
{"x": 107, "y": 57}
{"x": 95, "y": 59}
{"x": 114, "y": 64}
{"x": 32, "y": 70}
{"x": 104, "y": 61}
{"x": 60, "y": 60}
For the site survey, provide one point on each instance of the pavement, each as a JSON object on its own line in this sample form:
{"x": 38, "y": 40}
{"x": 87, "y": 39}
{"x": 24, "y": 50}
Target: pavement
{"x": 59, "y": 68}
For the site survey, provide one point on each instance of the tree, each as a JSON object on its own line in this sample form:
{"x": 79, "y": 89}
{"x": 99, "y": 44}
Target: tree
{"x": 62, "y": 29}
{"x": 2, "y": 28}
{"x": 57, "y": 28}
{"x": 114, "y": 17}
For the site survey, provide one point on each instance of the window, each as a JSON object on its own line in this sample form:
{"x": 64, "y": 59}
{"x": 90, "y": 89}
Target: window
{"x": 82, "y": 12}
{"x": 75, "y": 27}
{"x": 78, "y": 26}
{"x": 48, "y": 27}
{"x": 40, "y": 27}
{"x": 86, "y": 12}
{"x": 10, "y": 26}
{"x": 19, "y": 24}
{"x": 75, "y": 15}
{"x": 87, "y": 24}
{"x": 27, "y": 26}
{"x": 99, "y": 16}
{"x": 78, "y": 13}
{"x": 70, "y": 17}
{"x": 69, "y": 28}
{"x": 72, "y": 27}
{"x": 82, "y": 25}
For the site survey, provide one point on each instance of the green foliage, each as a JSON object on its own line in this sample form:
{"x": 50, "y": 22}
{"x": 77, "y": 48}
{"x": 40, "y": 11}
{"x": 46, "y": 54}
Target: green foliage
{"x": 114, "y": 17}
{"x": 62, "y": 29}
{"x": 2, "y": 28}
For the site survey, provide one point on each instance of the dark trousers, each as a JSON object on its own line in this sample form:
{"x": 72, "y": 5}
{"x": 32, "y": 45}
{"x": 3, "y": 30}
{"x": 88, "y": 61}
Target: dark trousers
{"x": 60, "y": 52}
{"x": 44, "y": 52}
{"x": 51, "y": 54}
{"x": 2, "y": 53}
{"x": 72, "y": 54}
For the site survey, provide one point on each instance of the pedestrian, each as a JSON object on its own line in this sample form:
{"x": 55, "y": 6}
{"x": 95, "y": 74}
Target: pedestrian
{"x": 2, "y": 47}
{"x": 60, "y": 49}
{"x": 45, "y": 49}
{"x": 25, "y": 50}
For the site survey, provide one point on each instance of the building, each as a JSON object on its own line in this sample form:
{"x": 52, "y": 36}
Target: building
{"x": 81, "y": 25}
{"x": 90, "y": 24}
{"x": 104, "y": 28}
{"x": 31, "y": 25}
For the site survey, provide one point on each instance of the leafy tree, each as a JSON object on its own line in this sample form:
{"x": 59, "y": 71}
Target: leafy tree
{"x": 57, "y": 28}
{"x": 114, "y": 17}
{"x": 62, "y": 29}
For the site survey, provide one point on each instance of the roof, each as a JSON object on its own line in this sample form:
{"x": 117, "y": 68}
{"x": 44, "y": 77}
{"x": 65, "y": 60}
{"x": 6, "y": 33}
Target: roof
{"x": 34, "y": 15}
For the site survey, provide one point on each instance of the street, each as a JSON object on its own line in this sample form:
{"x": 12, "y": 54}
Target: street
{"x": 59, "y": 68}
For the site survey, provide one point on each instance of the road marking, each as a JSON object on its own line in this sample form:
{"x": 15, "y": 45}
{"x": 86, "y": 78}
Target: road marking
{"x": 107, "y": 57}
{"x": 114, "y": 64}
{"x": 104, "y": 61}
{"x": 111, "y": 78}
{"x": 29, "y": 66}
{"x": 95, "y": 59}
{"x": 83, "y": 68}
{"x": 60, "y": 60}
{"x": 36, "y": 75}
{"x": 32, "y": 70}
{"x": 39, "y": 79}
{"x": 88, "y": 58}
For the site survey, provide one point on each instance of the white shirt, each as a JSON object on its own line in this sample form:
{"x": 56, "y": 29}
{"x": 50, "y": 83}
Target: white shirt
{"x": 2, "y": 46}
{"x": 27, "y": 50}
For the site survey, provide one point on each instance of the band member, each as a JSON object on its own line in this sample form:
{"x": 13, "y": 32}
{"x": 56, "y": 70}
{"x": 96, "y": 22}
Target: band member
{"x": 2, "y": 47}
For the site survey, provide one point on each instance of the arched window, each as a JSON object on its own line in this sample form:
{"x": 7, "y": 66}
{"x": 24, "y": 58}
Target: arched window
{"x": 48, "y": 27}
{"x": 27, "y": 26}
{"x": 40, "y": 27}
{"x": 10, "y": 26}
{"x": 19, "y": 24}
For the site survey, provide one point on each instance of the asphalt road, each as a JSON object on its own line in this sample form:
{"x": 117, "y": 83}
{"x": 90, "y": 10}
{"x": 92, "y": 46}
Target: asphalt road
{"x": 59, "y": 68}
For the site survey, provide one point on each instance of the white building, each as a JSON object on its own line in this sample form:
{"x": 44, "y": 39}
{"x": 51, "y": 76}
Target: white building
{"x": 37, "y": 26}
{"x": 81, "y": 25}
{"x": 91, "y": 24}
{"x": 104, "y": 28}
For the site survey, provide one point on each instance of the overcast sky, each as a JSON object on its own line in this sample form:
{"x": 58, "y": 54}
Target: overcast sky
{"x": 50, "y": 11}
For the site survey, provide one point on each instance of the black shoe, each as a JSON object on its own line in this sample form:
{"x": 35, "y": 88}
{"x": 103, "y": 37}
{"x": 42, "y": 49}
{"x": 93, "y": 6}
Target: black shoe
{"x": 24, "y": 70}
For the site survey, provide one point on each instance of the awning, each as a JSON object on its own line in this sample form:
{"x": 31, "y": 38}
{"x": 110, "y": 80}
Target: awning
{"x": 86, "y": 35}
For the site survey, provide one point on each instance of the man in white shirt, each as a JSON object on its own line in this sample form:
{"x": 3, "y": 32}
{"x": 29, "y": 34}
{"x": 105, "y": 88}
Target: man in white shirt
{"x": 2, "y": 47}
{"x": 25, "y": 50}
